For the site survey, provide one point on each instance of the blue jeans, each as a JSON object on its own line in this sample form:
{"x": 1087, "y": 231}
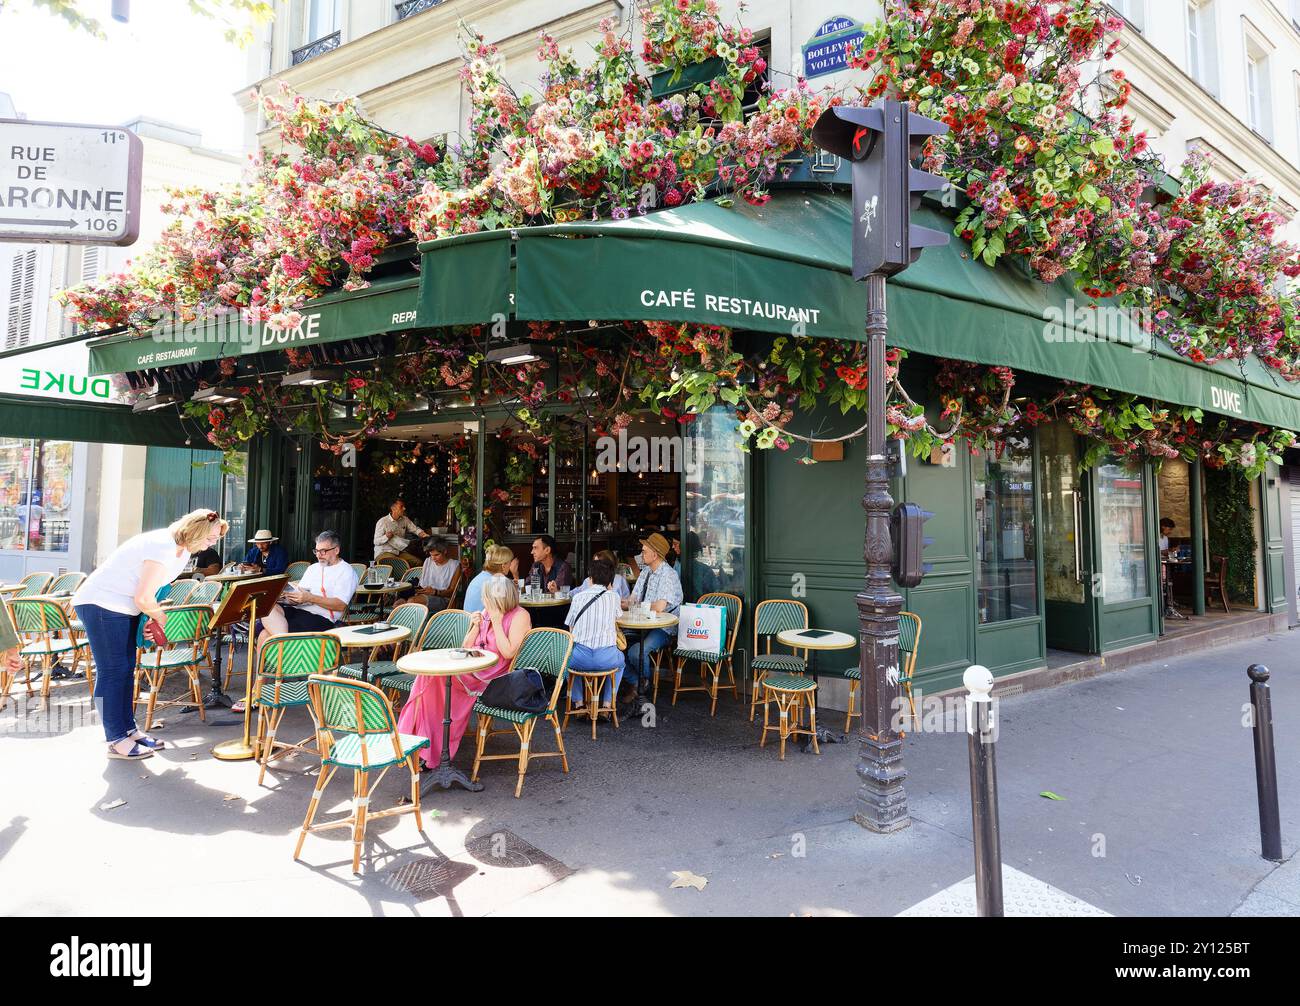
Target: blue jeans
{"x": 655, "y": 639}
{"x": 112, "y": 643}
{"x": 584, "y": 658}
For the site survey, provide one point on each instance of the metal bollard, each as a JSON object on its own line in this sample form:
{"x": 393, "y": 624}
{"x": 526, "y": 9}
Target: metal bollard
{"x": 981, "y": 730}
{"x": 1270, "y": 817}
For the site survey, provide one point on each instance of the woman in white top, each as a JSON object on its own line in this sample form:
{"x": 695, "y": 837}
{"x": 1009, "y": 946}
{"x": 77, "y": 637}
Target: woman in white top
{"x": 110, "y": 603}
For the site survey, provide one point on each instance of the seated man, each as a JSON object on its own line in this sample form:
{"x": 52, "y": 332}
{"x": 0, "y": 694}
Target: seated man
{"x": 207, "y": 562}
{"x": 552, "y": 571}
{"x": 594, "y": 609}
{"x": 322, "y": 597}
{"x": 661, "y": 588}
{"x": 266, "y": 556}
{"x": 438, "y": 579}
{"x": 393, "y": 534}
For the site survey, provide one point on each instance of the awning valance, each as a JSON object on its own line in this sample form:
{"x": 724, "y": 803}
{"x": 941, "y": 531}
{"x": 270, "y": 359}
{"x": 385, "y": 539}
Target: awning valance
{"x": 384, "y": 306}
{"x": 785, "y": 268}
{"x": 88, "y": 422}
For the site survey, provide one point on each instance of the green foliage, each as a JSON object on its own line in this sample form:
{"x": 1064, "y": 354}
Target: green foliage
{"x": 1231, "y": 529}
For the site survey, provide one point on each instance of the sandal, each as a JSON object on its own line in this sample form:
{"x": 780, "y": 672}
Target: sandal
{"x": 137, "y": 753}
{"x": 152, "y": 743}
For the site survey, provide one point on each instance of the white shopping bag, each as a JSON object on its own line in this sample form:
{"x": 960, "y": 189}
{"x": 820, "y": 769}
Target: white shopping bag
{"x": 702, "y": 627}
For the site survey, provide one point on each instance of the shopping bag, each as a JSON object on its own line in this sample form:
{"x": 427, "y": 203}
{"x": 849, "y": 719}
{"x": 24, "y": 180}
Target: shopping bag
{"x": 702, "y": 627}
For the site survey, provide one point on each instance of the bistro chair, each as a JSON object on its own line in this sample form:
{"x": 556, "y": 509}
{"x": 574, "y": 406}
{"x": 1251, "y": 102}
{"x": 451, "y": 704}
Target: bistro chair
{"x": 357, "y": 730}
{"x": 909, "y": 645}
{"x": 47, "y": 633}
{"x": 770, "y": 618}
{"x": 546, "y": 650}
{"x": 404, "y": 616}
{"x": 295, "y": 570}
{"x": 362, "y": 609}
{"x": 61, "y": 590}
{"x": 791, "y": 694}
{"x": 398, "y": 568}
{"x": 34, "y": 584}
{"x": 283, "y": 667}
{"x": 593, "y": 685}
{"x": 208, "y": 592}
{"x": 186, "y": 627}
{"x": 1216, "y": 580}
{"x": 66, "y": 584}
{"x": 711, "y": 664}
{"x": 179, "y": 591}
{"x": 446, "y": 629}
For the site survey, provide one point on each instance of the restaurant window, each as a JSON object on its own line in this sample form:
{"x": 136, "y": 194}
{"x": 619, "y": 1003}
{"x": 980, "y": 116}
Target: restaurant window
{"x": 35, "y": 495}
{"x": 714, "y": 545}
{"x": 1122, "y": 527}
{"x": 1005, "y": 539}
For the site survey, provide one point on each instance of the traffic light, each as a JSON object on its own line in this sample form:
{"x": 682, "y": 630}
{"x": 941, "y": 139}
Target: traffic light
{"x": 882, "y": 141}
{"x": 905, "y": 525}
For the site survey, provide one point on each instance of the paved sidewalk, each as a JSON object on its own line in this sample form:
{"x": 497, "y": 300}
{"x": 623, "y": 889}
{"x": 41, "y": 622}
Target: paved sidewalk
{"x": 1153, "y": 763}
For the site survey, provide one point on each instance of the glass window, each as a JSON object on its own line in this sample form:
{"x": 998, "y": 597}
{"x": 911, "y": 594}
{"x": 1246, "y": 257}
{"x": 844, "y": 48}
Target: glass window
{"x": 1059, "y": 460}
{"x": 322, "y": 19}
{"x": 234, "y": 507}
{"x": 1005, "y": 539}
{"x": 50, "y": 517}
{"x": 1122, "y": 525}
{"x": 714, "y": 546}
{"x": 15, "y": 479}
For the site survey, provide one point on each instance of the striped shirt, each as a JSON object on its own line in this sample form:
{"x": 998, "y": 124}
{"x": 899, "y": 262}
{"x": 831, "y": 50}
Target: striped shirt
{"x": 596, "y": 627}
{"x": 662, "y": 584}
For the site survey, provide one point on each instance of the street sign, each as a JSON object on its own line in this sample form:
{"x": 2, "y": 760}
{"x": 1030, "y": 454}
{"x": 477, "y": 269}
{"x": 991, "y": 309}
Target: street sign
{"x": 69, "y": 183}
{"x": 828, "y": 50}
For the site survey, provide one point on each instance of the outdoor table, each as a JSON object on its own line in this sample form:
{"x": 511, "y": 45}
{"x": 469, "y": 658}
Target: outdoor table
{"x": 381, "y": 591}
{"x": 11, "y": 588}
{"x": 642, "y": 626}
{"x": 231, "y": 577}
{"x": 445, "y": 664}
{"x": 798, "y": 639}
{"x": 356, "y": 637}
{"x": 546, "y": 610}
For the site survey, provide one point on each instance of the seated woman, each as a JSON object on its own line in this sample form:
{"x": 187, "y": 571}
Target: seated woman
{"x": 500, "y": 628}
{"x": 620, "y": 582}
{"x": 497, "y": 559}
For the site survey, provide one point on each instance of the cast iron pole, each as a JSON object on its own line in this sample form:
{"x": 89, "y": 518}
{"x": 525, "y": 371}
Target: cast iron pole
{"x": 882, "y": 803}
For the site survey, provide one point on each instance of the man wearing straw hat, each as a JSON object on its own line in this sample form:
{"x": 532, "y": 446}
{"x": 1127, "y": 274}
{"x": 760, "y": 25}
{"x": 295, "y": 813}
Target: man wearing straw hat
{"x": 266, "y": 556}
{"x": 659, "y": 587}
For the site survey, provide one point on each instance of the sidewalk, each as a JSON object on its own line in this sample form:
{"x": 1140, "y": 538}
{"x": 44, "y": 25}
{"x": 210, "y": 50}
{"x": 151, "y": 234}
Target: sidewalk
{"x": 1158, "y": 817}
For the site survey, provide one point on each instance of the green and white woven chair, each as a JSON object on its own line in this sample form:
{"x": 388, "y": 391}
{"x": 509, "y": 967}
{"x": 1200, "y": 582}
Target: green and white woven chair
{"x": 66, "y": 584}
{"x": 909, "y": 645}
{"x": 445, "y": 629}
{"x": 61, "y": 590}
{"x": 770, "y": 618}
{"x": 792, "y": 694}
{"x": 34, "y": 584}
{"x": 186, "y": 627}
{"x": 295, "y": 570}
{"x": 711, "y": 664}
{"x": 208, "y": 592}
{"x": 284, "y": 664}
{"x": 46, "y": 633}
{"x": 548, "y": 651}
{"x": 397, "y": 568}
{"x": 178, "y": 592}
{"x": 363, "y": 609}
{"x": 405, "y": 616}
{"x": 357, "y": 731}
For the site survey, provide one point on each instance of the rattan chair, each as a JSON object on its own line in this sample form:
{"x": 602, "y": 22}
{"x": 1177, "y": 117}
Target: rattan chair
{"x": 1216, "y": 579}
{"x": 295, "y": 570}
{"x": 47, "y": 635}
{"x": 178, "y": 591}
{"x": 208, "y": 592}
{"x": 397, "y": 568}
{"x": 357, "y": 730}
{"x": 284, "y": 664}
{"x": 770, "y": 618}
{"x": 447, "y": 628}
{"x": 909, "y": 645}
{"x": 66, "y": 584}
{"x": 548, "y": 651}
{"x": 34, "y": 584}
{"x": 404, "y": 616}
{"x": 711, "y": 664}
{"x": 186, "y": 627}
{"x": 791, "y": 694}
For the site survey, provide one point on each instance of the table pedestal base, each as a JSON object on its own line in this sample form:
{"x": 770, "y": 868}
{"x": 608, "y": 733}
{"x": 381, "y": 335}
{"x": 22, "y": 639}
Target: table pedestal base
{"x": 446, "y": 776}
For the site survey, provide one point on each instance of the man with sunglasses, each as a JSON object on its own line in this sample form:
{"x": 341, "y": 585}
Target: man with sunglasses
{"x": 321, "y": 598}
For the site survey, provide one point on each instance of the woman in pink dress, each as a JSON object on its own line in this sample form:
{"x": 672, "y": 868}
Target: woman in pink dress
{"x": 500, "y": 628}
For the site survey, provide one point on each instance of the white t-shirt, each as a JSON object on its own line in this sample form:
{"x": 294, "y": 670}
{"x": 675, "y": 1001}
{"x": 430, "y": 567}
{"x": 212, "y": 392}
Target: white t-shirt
{"x": 339, "y": 581}
{"x": 438, "y": 577}
{"x": 113, "y": 584}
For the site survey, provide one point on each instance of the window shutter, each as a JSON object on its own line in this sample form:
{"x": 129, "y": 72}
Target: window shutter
{"x": 90, "y": 259}
{"x": 22, "y": 300}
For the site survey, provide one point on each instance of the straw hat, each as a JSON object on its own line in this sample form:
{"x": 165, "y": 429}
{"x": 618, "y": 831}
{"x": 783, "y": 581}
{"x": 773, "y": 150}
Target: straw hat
{"x": 263, "y": 535}
{"x": 658, "y": 543}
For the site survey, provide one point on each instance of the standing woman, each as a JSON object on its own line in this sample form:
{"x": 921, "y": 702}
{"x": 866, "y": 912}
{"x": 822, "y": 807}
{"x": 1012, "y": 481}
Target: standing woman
{"x": 500, "y": 628}
{"x": 110, "y": 603}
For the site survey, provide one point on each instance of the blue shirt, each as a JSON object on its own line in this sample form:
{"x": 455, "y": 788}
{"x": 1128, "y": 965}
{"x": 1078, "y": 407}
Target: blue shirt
{"x": 275, "y": 561}
{"x": 474, "y": 592}
{"x": 660, "y": 584}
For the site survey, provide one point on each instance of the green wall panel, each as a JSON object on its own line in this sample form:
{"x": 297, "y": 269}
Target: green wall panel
{"x": 175, "y": 486}
{"x": 1128, "y": 624}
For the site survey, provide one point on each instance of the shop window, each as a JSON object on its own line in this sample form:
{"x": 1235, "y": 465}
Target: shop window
{"x": 1122, "y": 531}
{"x": 714, "y": 545}
{"x": 1005, "y": 535}
{"x": 35, "y": 495}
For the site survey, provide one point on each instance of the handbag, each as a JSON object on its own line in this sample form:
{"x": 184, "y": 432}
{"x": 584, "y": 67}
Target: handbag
{"x": 522, "y": 690}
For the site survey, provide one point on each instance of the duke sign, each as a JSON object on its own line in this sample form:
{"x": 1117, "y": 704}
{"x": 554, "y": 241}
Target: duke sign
{"x": 70, "y": 184}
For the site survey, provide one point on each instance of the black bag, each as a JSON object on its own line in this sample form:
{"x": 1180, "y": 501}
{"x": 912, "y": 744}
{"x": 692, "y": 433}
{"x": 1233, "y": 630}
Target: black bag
{"x": 522, "y": 690}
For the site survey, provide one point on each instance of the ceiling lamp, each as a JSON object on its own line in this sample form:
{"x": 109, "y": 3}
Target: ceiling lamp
{"x": 510, "y": 356}
{"x": 312, "y": 377}
{"x": 214, "y": 396}
{"x": 154, "y": 402}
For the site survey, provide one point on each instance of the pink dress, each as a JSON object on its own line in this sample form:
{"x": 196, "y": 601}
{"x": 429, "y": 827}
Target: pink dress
{"x": 422, "y": 714}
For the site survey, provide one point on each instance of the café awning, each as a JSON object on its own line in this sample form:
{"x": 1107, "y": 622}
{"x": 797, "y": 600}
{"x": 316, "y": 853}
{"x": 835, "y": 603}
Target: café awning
{"x": 784, "y": 268}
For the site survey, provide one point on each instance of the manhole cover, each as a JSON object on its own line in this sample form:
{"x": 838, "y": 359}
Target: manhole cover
{"x": 506, "y": 850}
{"x": 430, "y": 878}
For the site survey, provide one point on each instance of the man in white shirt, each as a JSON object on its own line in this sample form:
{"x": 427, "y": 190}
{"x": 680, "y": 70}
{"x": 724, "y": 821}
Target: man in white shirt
{"x": 393, "y": 534}
{"x": 322, "y": 597}
{"x": 438, "y": 580}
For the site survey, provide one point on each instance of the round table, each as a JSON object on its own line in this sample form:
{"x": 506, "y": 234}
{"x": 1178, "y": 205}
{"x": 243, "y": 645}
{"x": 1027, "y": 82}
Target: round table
{"x": 355, "y": 637}
{"x": 633, "y": 622}
{"x": 442, "y": 663}
{"x": 547, "y": 610}
{"x": 381, "y": 591}
{"x": 831, "y": 641}
{"x": 230, "y": 577}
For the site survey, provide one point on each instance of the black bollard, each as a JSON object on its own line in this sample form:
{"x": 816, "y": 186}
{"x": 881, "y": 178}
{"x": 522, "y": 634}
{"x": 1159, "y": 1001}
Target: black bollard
{"x": 981, "y": 731}
{"x": 1270, "y": 817}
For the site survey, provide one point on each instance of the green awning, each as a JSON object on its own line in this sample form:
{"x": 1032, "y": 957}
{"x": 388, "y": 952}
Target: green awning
{"x": 384, "y": 306}
{"x": 784, "y": 268}
{"x": 89, "y": 422}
